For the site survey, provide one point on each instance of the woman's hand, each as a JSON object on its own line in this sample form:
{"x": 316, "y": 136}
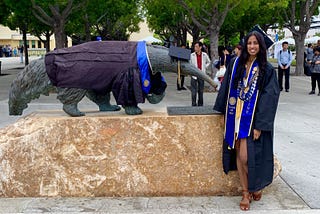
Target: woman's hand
{"x": 256, "y": 134}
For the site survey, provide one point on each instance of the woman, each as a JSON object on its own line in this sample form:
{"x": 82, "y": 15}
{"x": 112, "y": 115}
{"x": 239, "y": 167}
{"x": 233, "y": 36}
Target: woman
{"x": 237, "y": 50}
{"x": 224, "y": 59}
{"x": 315, "y": 71}
{"x": 249, "y": 98}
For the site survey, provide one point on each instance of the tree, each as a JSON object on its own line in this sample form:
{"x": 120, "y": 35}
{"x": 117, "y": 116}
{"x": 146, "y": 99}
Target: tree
{"x": 167, "y": 18}
{"x": 56, "y": 14}
{"x": 239, "y": 22}
{"x": 41, "y": 31}
{"x": 114, "y": 19}
{"x": 80, "y": 25}
{"x": 4, "y": 12}
{"x": 19, "y": 17}
{"x": 209, "y": 15}
{"x": 109, "y": 19}
{"x": 297, "y": 18}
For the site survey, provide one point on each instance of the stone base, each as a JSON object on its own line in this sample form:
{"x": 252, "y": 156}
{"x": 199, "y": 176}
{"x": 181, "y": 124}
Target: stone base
{"x": 45, "y": 154}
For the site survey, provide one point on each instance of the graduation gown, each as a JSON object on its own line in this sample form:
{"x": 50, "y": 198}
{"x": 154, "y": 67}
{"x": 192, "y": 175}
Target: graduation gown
{"x": 101, "y": 66}
{"x": 260, "y": 152}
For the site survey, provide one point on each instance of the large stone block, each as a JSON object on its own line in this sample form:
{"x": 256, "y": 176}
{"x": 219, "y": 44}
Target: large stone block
{"x": 45, "y": 154}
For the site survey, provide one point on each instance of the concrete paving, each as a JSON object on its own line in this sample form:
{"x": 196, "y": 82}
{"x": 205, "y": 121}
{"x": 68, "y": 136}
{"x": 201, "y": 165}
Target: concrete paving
{"x": 297, "y": 134}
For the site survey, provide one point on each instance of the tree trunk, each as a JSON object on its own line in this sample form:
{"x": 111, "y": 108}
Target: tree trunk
{"x": 184, "y": 36}
{"x": 214, "y": 55}
{"x": 300, "y": 12}
{"x": 178, "y": 37}
{"x": 214, "y": 42}
{"x": 299, "y": 43}
{"x": 65, "y": 41}
{"x": 59, "y": 34}
{"x": 26, "y": 57}
{"x": 47, "y": 43}
{"x": 195, "y": 33}
{"x": 87, "y": 28}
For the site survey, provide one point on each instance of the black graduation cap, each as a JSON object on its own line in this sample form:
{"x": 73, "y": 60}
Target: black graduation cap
{"x": 179, "y": 53}
{"x": 267, "y": 39}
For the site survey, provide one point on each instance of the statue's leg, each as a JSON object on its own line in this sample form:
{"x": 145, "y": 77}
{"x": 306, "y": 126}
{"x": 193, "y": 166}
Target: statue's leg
{"x": 70, "y": 97}
{"x": 102, "y": 100}
{"x": 132, "y": 110}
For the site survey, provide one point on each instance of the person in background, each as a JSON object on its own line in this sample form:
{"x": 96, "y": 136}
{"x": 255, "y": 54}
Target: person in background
{"x": 202, "y": 61}
{"x": 224, "y": 59}
{"x": 284, "y": 61}
{"x": 315, "y": 71}
{"x": 228, "y": 55}
{"x": 15, "y": 52}
{"x": 237, "y": 50}
{"x": 9, "y": 51}
{"x": 309, "y": 53}
{"x": 4, "y": 50}
{"x": 248, "y": 98}
{"x": 224, "y": 55}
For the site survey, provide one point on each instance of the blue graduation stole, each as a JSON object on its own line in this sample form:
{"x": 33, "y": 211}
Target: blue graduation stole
{"x": 144, "y": 68}
{"x": 143, "y": 63}
{"x": 241, "y": 105}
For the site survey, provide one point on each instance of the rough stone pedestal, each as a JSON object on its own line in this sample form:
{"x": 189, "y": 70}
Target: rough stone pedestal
{"x": 50, "y": 154}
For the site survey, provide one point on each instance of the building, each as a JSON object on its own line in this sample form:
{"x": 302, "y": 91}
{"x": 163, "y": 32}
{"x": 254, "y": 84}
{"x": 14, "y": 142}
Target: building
{"x": 143, "y": 32}
{"x": 13, "y": 39}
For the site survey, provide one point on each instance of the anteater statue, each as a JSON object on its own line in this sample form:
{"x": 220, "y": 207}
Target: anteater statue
{"x": 130, "y": 70}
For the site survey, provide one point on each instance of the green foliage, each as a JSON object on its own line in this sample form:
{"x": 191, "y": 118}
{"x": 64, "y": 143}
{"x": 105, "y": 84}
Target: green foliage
{"x": 4, "y": 12}
{"x": 60, "y": 4}
{"x": 113, "y": 19}
{"x": 20, "y": 14}
{"x": 164, "y": 17}
{"x": 244, "y": 17}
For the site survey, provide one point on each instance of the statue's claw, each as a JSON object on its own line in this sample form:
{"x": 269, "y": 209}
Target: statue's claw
{"x": 105, "y": 107}
{"x": 132, "y": 110}
{"x": 72, "y": 110}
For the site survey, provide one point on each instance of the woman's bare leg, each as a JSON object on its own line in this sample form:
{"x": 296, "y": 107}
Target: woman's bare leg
{"x": 242, "y": 165}
{"x": 242, "y": 162}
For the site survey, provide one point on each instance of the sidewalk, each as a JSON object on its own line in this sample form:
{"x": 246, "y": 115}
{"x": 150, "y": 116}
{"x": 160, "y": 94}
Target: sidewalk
{"x": 297, "y": 131}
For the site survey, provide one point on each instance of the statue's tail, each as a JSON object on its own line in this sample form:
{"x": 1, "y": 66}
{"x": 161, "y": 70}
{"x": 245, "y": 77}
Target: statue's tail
{"x": 29, "y": 84}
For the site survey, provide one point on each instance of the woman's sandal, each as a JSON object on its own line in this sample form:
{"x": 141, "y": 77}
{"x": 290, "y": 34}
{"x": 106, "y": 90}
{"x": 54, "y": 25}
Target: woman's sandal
{"x": 246, "y": 200}
{"x": 257, "y": 195}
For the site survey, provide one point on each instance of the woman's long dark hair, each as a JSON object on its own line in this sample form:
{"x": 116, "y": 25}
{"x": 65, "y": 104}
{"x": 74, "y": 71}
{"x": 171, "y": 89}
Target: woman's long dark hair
{"x": 244, "y": 56}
